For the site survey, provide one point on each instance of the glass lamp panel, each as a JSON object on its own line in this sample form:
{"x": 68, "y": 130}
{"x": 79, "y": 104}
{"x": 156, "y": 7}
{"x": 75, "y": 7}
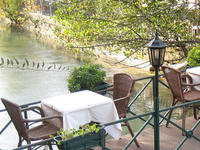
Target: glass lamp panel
{"x": 156, "y": 57}
{"x": 162, "y": 52}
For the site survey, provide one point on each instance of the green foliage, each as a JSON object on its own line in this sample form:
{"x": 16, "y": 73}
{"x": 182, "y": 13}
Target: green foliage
{"x": 15, "y": 10}
{"x": 126, "y": 25}
{"x": 87, "y": 76}
{"x": 67, "y": 134}
{"x": 2, "y": 13}
{"x": 193, "y": 58}
{"x": 12, "y": 9}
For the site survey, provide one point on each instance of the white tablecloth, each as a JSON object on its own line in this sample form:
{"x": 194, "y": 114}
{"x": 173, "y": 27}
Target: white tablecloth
{"x": 83, "y": 107}
{"x": 195, "y": 74}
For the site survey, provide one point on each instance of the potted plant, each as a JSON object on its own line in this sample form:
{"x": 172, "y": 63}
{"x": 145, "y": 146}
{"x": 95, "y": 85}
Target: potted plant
{"x": 86, "y": 137}
{"x": 88, "y": 76}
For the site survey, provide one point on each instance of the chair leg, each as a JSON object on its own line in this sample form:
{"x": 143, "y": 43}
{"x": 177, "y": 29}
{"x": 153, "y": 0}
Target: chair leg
{"x": 104, "y": 142}
{"x": 169, "y": 117}
{"x": 170, "y": 113}
{"x": 195, "y": 112}
{"x": 131, "y": 132}
{"x": 183, "y": 119}
{"x": 29, "y": 142}
{"x": 20, "y": 141}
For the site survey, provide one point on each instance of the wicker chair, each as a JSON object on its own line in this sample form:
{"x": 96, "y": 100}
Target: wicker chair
{"x": 122, "y": 89}
{"x": 39, "y": 132}
{"x": 181, "y": 91}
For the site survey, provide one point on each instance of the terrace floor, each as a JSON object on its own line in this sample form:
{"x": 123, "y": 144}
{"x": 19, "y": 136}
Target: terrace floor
{"x": 169, "y": 139}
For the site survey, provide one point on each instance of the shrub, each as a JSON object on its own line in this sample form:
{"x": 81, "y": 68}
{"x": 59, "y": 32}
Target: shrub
{"x": 194, "y": 56}
{"x": 67, "y": 134}
{"x": 87, "y": 76}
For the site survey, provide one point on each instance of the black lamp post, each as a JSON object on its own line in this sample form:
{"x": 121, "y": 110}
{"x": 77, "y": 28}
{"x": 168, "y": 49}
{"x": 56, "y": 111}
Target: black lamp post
{"x": 156, "y": 50}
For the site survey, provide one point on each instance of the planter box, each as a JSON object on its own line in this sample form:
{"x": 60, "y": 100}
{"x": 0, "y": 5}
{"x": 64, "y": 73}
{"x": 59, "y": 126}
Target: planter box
{"x": 102, "y": 86}
{"x": 83, "y": 142}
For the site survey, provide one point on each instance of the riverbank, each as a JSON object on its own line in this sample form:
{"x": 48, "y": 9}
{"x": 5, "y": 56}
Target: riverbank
{"x": 43, "y": 28}
{"x": 46, "y": 28}
{"x": 4, "y": 23}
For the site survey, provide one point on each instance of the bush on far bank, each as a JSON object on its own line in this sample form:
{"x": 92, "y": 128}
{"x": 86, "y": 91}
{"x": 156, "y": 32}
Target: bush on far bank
{"x": 84, "y": 77}
{"x": 193, "y": 57}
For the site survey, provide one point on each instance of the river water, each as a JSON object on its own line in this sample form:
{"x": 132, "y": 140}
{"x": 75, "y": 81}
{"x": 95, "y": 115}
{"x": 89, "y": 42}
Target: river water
{"x": 24, "y": 83}
{"x": 22, "y": 80}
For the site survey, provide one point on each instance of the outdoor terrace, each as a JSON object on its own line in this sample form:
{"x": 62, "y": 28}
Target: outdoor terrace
{"x": 170, "y": 138}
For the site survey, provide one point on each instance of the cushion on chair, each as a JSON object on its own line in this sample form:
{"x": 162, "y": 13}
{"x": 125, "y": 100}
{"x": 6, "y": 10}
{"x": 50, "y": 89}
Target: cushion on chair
{"x": 42, "y": 131}
{"x": 191, "y": 95}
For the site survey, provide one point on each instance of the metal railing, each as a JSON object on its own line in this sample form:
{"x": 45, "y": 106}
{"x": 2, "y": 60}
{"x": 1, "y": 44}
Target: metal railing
{"x": 188, "y": 133}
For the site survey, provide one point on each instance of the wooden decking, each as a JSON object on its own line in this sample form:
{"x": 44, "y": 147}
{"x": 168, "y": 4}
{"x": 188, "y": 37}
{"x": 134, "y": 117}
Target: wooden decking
{"x": 169, "y": 139}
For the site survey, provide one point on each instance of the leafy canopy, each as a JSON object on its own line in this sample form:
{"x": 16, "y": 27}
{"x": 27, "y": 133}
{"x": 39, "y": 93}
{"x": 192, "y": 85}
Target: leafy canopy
{"x": 17, "y": 10}
{"x": 125, "y": 25}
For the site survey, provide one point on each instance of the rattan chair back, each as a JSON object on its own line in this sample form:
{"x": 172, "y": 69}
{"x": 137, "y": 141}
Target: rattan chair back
{"x": 122, "y": 87}
{"x": 15, "y": 114}
{"x": 179, "y": 92}
{"x": 174, "y": 80}
{"x": 37, "y": 132}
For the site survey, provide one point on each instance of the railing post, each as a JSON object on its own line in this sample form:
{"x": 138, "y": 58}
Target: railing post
{"x": 26, "y": 117}
{"x": 156, "y": 111}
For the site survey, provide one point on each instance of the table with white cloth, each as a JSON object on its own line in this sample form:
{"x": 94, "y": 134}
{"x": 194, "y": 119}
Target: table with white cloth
{"x": 80, "y": 108}
{"x": 195, "y": 75}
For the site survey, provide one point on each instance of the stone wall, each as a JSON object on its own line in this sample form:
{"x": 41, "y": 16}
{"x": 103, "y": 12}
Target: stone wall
{"x": 4, "y": 23}
{"x": 43, "y": 28}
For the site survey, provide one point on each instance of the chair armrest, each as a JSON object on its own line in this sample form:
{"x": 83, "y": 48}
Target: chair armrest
{"x": 105, "y": 90}
{"x": 183, "y": 75}
{"x": 187, "y": 84}
{"x": 32, "y": 108}
{"x": 122, "y": 98}
{"x": 43, "y": 119}
{"x": 189, "y": 79}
